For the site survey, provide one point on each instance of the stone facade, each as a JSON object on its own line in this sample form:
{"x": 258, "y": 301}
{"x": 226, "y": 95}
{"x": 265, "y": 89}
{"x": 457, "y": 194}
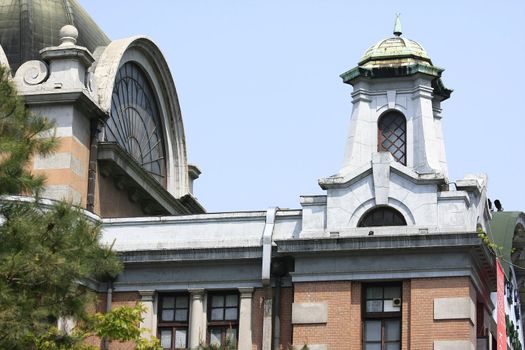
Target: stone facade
{"x": 389, "y": 256}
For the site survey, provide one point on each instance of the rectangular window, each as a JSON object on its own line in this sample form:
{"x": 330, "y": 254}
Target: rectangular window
{"x": 223, "y": 318}
{"x": 382, "y": 317}
{"x": 173, "y": 321}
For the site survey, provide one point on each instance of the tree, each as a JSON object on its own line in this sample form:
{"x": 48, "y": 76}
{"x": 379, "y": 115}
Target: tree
{"x": 48, "y": 251}
{"x": 21, "y": 137}
{"x": 119, "y": 324}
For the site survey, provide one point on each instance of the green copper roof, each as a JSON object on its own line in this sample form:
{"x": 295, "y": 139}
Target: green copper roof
{"x": 395, "y": 51}
{"x": 28, "y": 26}
{"x": 397, "y": 57}
{"x": 504, "y": 233}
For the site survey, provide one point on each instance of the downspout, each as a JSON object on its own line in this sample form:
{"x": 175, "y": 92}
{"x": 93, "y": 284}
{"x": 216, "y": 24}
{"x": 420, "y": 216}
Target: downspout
{"x": 92, "y": 167}
{"x": 109, "y": 299}
{"x": 267, "y": 246}
{"x": 266, "y": 277}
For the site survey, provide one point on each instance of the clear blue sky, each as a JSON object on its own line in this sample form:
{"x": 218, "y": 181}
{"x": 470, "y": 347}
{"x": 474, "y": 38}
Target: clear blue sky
{"x": 266, "y": 114}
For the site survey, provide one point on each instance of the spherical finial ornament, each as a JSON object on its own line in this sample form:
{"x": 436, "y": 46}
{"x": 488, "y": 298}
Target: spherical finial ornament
{"x": 68, "y": 35}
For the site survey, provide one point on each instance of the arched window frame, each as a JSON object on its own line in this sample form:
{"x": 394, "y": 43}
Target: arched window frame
{"x": 397, "y": 218}
{"x": 392, "y": 135}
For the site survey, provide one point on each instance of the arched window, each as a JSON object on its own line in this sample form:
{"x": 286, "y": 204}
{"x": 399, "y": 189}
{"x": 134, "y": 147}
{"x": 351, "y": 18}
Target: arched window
{"x": 382, "y": 216}
{"x": 392, "y": 131}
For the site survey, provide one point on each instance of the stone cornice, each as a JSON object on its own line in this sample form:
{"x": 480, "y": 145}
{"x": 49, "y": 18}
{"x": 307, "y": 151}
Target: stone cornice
{"x": 120, "y": 163}
{"x": 78, "y": 97}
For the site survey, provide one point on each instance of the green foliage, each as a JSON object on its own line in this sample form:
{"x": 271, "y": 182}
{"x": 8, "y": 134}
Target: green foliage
{"x": 228, "y": 345}
{"x": 496, "y": 249}
{"x": 120, "y": 324}
{"x": 21, "y": 137}
{"x": 45, "y": 255}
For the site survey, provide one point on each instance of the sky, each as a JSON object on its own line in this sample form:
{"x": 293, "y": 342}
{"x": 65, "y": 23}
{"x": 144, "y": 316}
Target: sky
{"x": 266, "y": 114}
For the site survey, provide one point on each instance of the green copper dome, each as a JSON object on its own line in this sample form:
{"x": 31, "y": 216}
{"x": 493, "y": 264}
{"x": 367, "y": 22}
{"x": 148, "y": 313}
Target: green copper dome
{"x": 28, "y": 26}
{"x": 397, "y": 57}
{"x": 395, "y": 51}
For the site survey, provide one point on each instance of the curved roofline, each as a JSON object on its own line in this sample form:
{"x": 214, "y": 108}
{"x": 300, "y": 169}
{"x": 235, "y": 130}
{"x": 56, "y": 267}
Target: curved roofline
{"x": 502, "y": 229}
{"x": 146, "y": 53}
{"x": 408, "y": 49}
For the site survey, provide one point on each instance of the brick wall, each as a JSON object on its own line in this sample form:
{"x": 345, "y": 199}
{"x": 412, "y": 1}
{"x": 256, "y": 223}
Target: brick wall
{"x": 423, "y": 328}
{"x": 286, "y": 318}
{"x": 343, "y": 329}
{"x": 124, "y": 299}
{"x": 343, "y": 324}
{"x": 119, "y": 299}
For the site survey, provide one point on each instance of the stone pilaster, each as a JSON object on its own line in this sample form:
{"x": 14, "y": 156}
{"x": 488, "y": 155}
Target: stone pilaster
{"x": 267, "y": 319}
{"x": 245, "y": 319}
{"x": 197, "y": 331}
{"x": 148, "y": 325}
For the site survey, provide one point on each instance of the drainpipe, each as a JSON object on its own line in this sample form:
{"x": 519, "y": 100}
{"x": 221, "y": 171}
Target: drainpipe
{"x": 266, "y": 278}
{"x": 277, "y": 316}
{"x": 109, "y": 299}
{"x": 92, "y": 167}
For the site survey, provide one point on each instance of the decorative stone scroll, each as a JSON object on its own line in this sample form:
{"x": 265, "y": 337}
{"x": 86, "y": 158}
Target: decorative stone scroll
{"x": 32, "y": 73}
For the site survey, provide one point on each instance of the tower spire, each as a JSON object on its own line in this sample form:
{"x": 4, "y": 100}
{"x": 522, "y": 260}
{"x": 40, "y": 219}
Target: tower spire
{"x": 397, "y": 26}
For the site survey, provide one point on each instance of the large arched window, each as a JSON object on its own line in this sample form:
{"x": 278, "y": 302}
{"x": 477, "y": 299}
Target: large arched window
{"x": 135, "y": 121}
{"x": 392, "y": 131}
{"x": 382, "y": 216}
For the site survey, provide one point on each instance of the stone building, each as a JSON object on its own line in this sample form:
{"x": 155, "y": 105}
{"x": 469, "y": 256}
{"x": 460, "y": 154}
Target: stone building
{"x": 388, "y": 258}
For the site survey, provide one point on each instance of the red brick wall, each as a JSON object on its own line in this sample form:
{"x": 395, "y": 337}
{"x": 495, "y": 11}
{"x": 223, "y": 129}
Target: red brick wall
{"x": 124, "y": 299}
{"x": 419, "y": 329}
{"x": 423, "y": 328}
{"x": 286, "y": 318}
{"x": 405, "y": 316}
{"x": 119, "y": 299}
{"x": 340, "y": 331}
{"x": 257, "y": 318}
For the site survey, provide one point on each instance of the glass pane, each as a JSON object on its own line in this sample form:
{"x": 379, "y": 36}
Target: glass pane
{"x": 167, "y": 315}
{"x": 392, "y": 292}
{"x": 181, "y": 315}
{"x": 375, "y": 292}
{"x": 389, "y": 306}
{"x": 217, "y": 314}
{"x": 165, "y": 338}
{"x": 373, "y": 331}
{"x": 374, "y": 306}
{"x": 376, "y": 346}
{"x": 182, "y": 302}
{"x": 230, "y": 314}
{"x": 168, "y": 302}
{"x": 231, "y": 300}
{"x": 180, "y": 338}
{"x": 393, "y": 346}
{"x": 392, "y": 330}
{"x": 231, "y": 336}
{"x": 215, "y": 336}
{"x": 217, "y": 301}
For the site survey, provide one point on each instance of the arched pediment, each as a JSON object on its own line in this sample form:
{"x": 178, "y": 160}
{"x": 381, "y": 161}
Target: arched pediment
{"x": 144, "y": 53}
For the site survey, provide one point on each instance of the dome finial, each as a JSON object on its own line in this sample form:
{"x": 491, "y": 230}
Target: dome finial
{"x": 397, "y": 26}
{"x": 68, "y": 35}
